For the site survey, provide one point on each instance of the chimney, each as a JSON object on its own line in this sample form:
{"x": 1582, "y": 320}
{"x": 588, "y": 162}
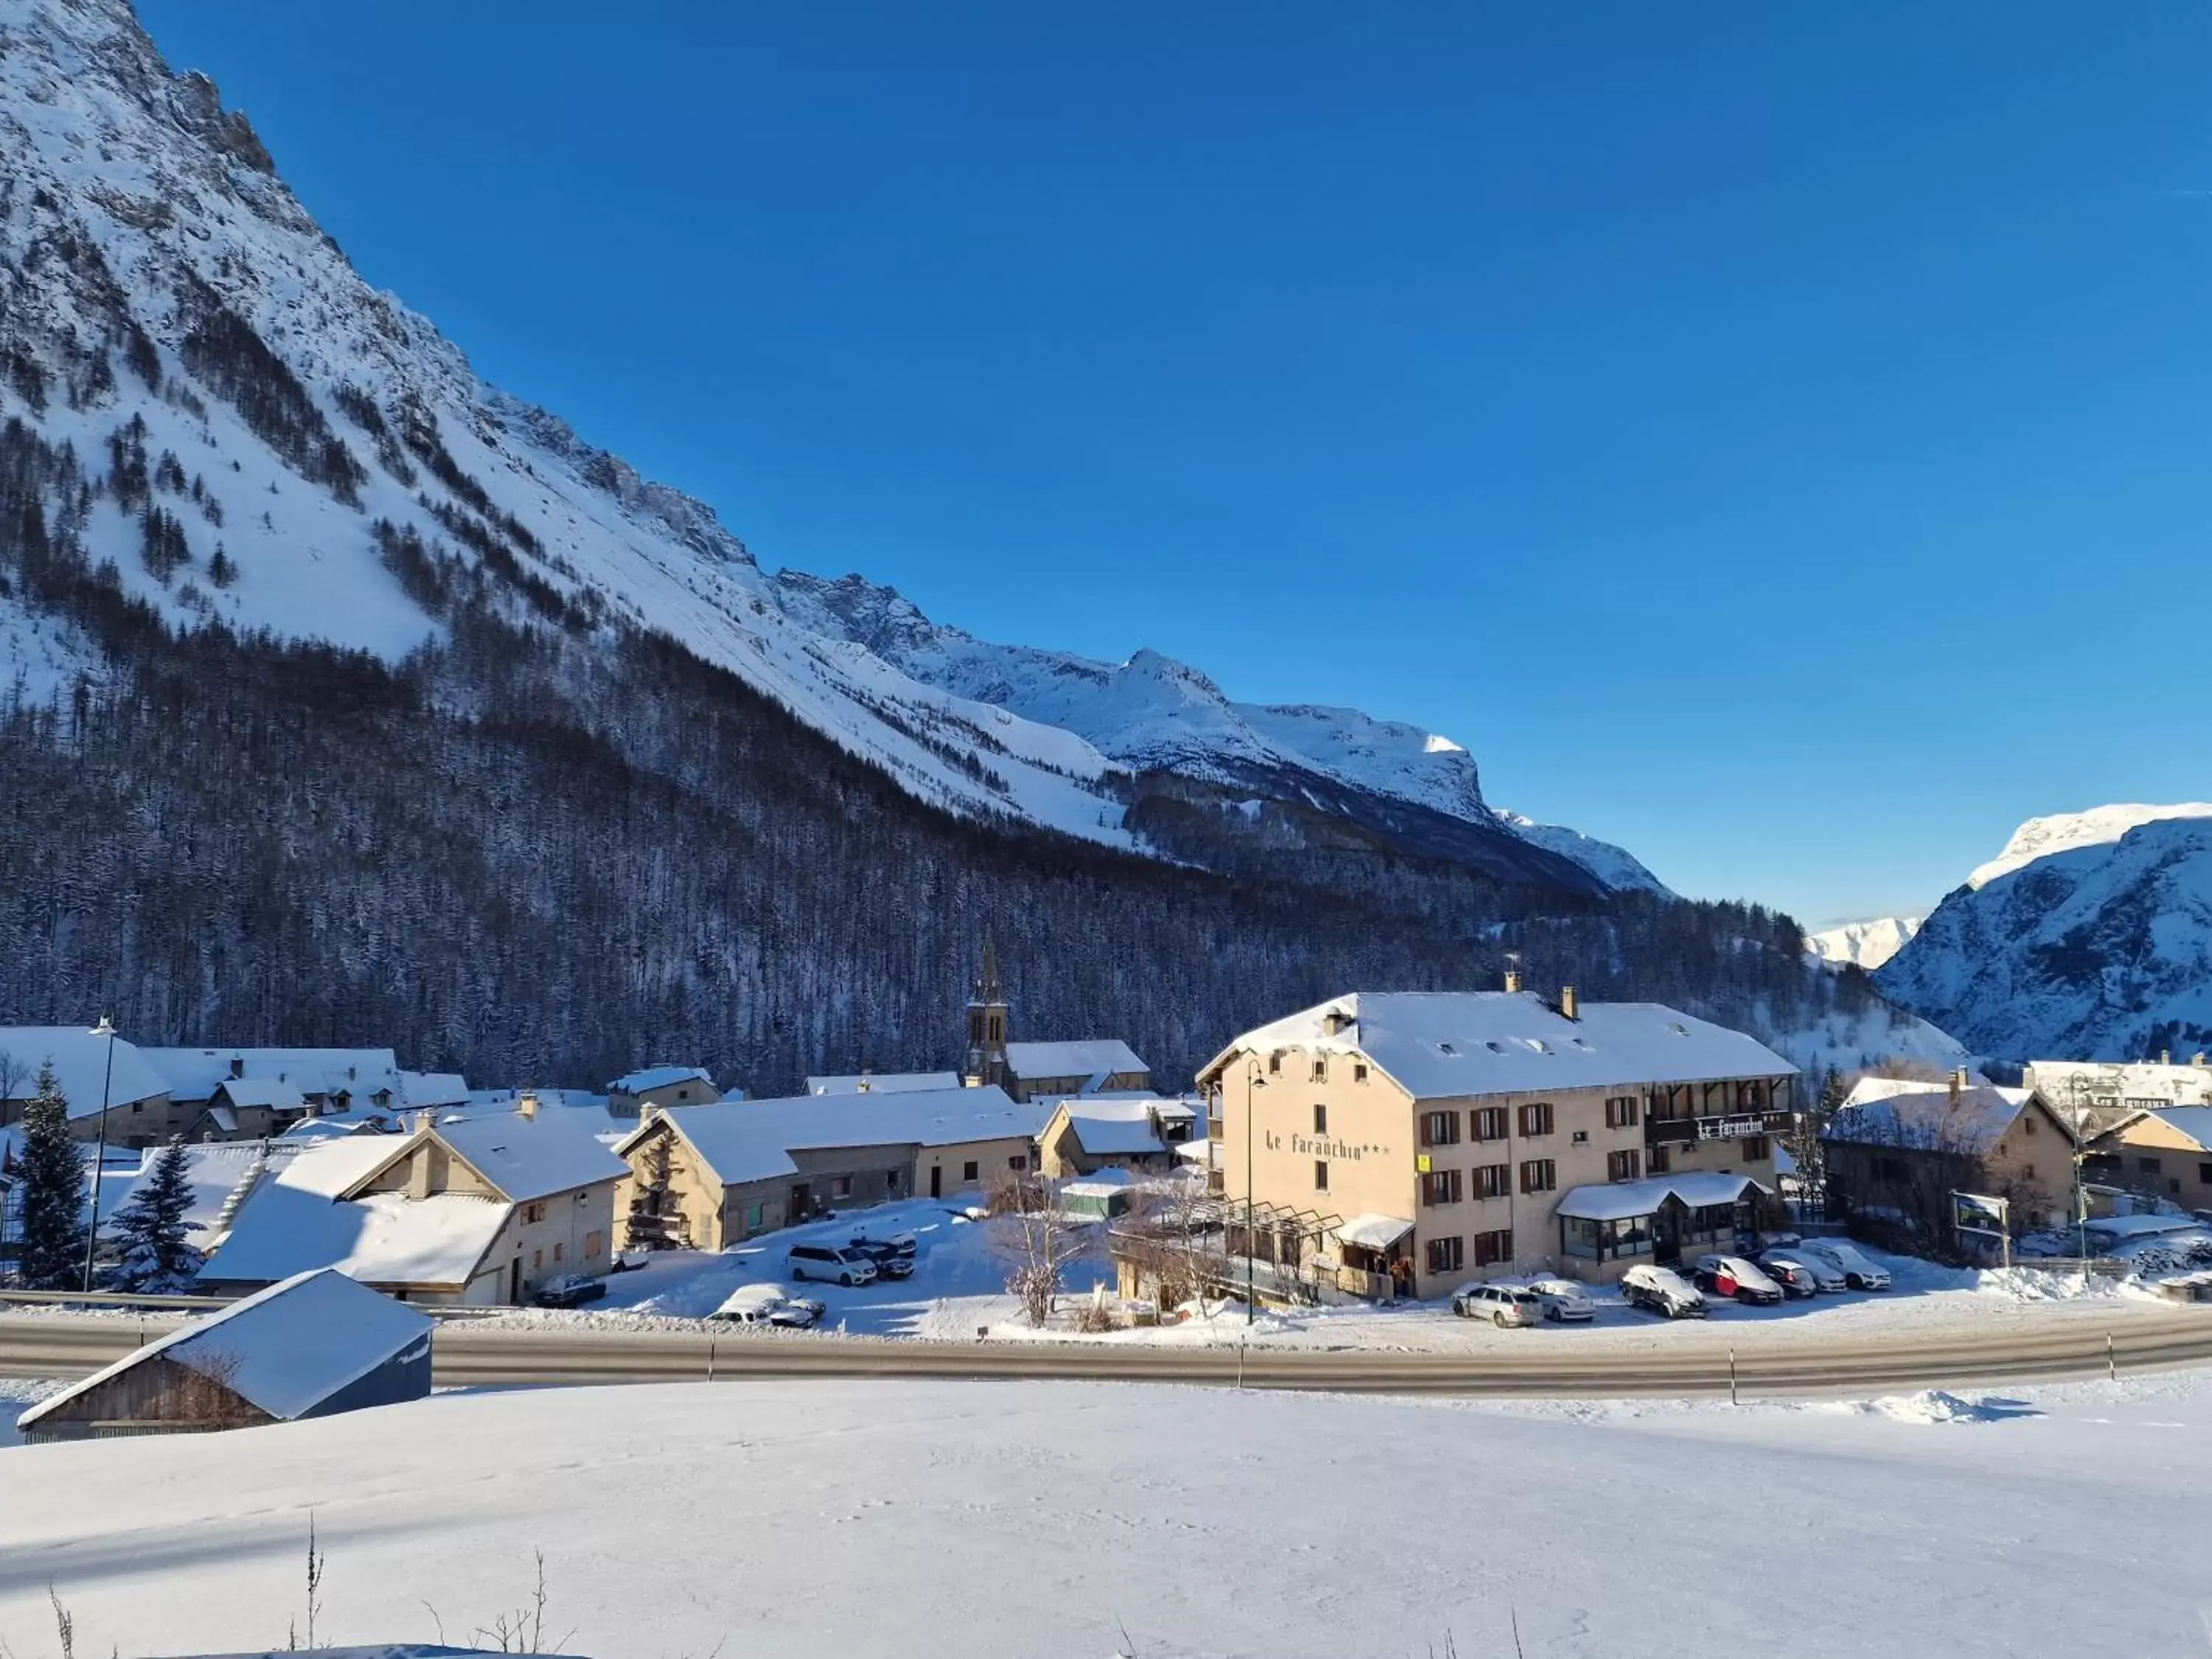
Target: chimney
{"x": 1570, "y": 1008}
{"x": 238, "y": 1064}
{"x": 528, "y": 1106}
{"x": 1958, "y": 1085}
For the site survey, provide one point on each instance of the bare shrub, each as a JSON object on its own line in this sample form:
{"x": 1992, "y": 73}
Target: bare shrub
{"x": 1033, "y": 1237}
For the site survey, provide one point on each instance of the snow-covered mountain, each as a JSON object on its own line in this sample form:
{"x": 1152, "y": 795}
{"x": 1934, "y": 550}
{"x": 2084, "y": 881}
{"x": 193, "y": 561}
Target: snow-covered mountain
{"x": 1865, "y": 945}
{"x": 2063, "y": 831}
{"x": 2089, "y": 938}
{"x": 1152, "y": 714}
{"x": 147, "y": 227}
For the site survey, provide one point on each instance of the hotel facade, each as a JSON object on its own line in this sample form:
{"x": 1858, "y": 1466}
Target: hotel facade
{"x": 1394, "y": 1144}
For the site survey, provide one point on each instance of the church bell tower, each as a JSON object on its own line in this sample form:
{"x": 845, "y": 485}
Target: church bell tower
{"x": 987, "y": 1024}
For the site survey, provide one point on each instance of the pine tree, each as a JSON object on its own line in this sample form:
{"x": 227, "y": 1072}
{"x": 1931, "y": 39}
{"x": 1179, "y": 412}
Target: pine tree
{"x": 222, "y": 569}
{"x": 149, "y": 1229}
{"x": 53, "y": 1192}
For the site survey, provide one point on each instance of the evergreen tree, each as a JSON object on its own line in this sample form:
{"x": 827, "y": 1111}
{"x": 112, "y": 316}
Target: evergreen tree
{"x": 149, "y": 1229}
{"x": 222, "y": 569}
{"x": 53, "y": 1192}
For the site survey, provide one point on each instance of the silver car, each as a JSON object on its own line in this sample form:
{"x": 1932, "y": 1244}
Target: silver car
{"x": 1565, "y": 1303}
{"x": 1859, "y": 1273}
{"x": 1503, "y": 1305}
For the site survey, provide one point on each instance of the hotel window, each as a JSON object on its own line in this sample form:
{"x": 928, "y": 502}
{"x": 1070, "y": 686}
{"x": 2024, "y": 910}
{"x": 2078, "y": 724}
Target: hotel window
{"x": 1752, "y": 1094}
{"x": 594, "y": 1243}
{"x": 1889, "y": 1170}
{"x": 1018, "y": 1163}
{"x": 1580, "y": 1137}
{"x": 1439, "y": 1128}
{"x": 2148, "y": 1165}
{"x": 893, "y": 1179}
{"x": 1659, "y": 1161}
{"x": 1446, "y": 1255}
{"x": 1621, "y": 1112}
{"x": 1441, "y": 1187}
{"x": 755, "y": 1214}
{"x": 1757, "y": 1149}
{"x": 2204, "y": 1174}
{"x": 1539, "y": 1174}
{"x": 968, "y": 1170}
{"x": 1359, "y": 1071}
{"x": 1493, "y": 1180}
{"x": 536, "y": 1259}
{"x": 841, "y": 1186}
{"x": 1490, "y": 1123}
{"x": 1320, "y": 1119}
{"x": 1621, "y": 1166}
{"x": 1536, "y": 1118}
{"x": 1320, "y": 1068}
{"x": 1491, "y": 1248}
{"x": 1321, "y": 1175}
{"x": 533, "y": 1212}
{"x": 557, "y": 1256}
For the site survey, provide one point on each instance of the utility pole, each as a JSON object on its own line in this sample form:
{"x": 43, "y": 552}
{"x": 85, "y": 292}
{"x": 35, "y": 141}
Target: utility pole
{"x": 106, "y": 1029}
{"x": 1252, "y": 1080}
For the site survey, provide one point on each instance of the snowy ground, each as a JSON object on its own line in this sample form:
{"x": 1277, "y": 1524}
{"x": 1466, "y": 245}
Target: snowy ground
{"x": 957, "y": 1290}
{"x": 1042, "y": 1520}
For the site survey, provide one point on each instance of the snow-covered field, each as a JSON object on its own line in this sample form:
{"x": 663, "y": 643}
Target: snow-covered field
{"x": 1042, "y": 1520}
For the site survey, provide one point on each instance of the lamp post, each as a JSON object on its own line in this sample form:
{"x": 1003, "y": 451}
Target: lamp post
{"x": 1252, "y": 1080}
{"x": 105, "y": 1029}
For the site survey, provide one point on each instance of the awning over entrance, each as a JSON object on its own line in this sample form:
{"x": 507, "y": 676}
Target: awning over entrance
{"x": 1621, "y": 1200}
{"x": 1373, "y": 1232}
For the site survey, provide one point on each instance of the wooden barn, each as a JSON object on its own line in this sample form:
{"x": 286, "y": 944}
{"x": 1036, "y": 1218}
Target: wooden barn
{"x": 307, "y": 1347}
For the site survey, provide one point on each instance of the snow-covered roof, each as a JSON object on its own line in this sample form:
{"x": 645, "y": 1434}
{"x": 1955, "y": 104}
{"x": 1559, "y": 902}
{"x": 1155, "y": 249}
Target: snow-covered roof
{"x": 657, "y": 1076}
{"x": 1104, "y": 1184}
{"x": 381, "y": 1238}
{"x": 1117, "y": 1128}
{"x": 193, "y": 1073}
{"x": 1200, "y": 1150}
{"x": 271, "y": 1092}
{"x": 882, "y": 1083}
{"x": 80, "y": 1062}
{"x": 1374, "y": 1232}
{"x": 1091, "y": 1057}
{"x": 423, "y": 1091}
{"x": 285, "y": 1349}
{"x": 1446, "y": 1044}
{"x": 527, "y": 1157}
{"x": 752, "y": 1140}
{"x": 1620, "y": 1201}
{"x": 1924, "y": 1116}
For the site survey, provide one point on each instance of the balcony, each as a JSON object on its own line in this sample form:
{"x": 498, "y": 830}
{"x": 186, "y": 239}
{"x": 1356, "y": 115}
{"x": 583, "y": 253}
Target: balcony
{"x": 1719, "y": 1125}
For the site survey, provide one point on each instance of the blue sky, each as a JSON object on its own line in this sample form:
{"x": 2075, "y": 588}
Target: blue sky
{"x": 1773, "y": 438}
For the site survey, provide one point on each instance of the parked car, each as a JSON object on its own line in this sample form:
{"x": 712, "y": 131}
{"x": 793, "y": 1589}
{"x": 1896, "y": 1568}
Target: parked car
{"x": 570, "y": 1290}
{"x": 829, "y": 1263}
{"x": 890, "y": 1261}
{"x": 1859, "y": 1273}
{"x": 1739, "y": 1278}
{"x": 1662, "y": 1291}
{"x": 1501, "y": 1305}
{"x": 1794, "y": 1274}
{"x": 1565, "y": 1301}
{"x": 767, "y": 1305}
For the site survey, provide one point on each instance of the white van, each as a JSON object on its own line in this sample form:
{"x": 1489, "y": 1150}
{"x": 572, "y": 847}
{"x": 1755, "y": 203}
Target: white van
{"x": 828, "y": 1263}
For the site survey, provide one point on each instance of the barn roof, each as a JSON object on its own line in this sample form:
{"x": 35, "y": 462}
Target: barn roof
{"x": 286, "y": 1349}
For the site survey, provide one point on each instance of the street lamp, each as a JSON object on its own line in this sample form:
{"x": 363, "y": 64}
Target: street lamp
{"x": 105, "y": 1029}
{"x": 1252, "y": 1080}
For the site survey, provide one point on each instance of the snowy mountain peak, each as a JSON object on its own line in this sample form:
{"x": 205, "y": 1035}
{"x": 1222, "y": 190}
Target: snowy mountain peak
{"x": 2063, "y": 831}
{"x": 2091, "y": 938}
{"x": 1865, "y": 945}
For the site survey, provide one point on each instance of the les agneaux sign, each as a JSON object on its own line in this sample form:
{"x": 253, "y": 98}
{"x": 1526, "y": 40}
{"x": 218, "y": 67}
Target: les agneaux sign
{"x": 1727, "y": 1128}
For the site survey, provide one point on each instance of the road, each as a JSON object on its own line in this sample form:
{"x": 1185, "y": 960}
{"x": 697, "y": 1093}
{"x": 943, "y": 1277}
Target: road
{"x": 1703, "y": 1364}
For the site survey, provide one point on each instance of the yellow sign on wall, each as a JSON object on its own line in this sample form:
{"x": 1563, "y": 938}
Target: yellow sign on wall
{"x": 1420, "y": 1163}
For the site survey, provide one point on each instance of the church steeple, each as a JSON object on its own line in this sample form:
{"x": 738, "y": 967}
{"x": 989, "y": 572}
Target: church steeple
{"x": 987, "y": 1023}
